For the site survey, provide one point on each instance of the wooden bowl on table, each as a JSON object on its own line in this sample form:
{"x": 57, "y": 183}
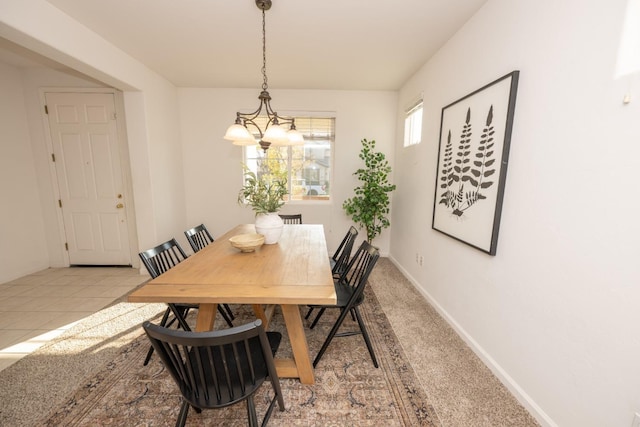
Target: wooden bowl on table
{"x": 247, "y": 242}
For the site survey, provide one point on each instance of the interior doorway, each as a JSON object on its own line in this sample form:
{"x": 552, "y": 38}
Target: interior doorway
{"x": 90, "y": 179}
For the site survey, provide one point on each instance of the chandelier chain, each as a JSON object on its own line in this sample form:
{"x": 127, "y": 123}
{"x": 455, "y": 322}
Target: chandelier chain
{"x": 274, "y": 129}
{"x": 265, "y": 86}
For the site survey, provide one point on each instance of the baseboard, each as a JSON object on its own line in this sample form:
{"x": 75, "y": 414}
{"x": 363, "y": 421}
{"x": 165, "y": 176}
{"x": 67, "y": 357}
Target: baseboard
{"x": 517, "y": 391}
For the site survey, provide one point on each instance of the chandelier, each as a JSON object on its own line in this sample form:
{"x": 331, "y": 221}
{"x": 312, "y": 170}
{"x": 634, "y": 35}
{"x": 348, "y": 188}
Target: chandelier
{"x": 274, "y": 132}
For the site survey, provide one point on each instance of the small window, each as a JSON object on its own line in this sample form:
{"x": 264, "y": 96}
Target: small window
{"x": 307, "y": 167}
{"x": 413, "y": 125}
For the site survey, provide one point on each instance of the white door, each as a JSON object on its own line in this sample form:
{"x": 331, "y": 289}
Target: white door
{"x": 87, "y": 161}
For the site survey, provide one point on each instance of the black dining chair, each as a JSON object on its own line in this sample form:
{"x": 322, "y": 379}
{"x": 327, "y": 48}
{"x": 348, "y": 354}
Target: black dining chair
{"x": 219, "y": 368}
{"x": 350, "y": 295}
{"x": 291, "y": 219}
{"x": 199, "y": 237}
{"x": 340, "y": 258}
{"x": 161, "y": 259}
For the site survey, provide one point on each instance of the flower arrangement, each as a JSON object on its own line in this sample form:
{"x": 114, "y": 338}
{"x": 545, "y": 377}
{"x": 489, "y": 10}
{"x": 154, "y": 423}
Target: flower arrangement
{"x": 265, "y": 194}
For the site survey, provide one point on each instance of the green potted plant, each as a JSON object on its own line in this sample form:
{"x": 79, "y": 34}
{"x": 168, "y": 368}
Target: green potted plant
{"x": 265, "y": 194}
{"x": 370, "y": 205}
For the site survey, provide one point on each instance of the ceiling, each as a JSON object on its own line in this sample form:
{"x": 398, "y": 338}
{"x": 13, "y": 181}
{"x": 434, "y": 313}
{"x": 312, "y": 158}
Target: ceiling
{"x": 327, "y": 44}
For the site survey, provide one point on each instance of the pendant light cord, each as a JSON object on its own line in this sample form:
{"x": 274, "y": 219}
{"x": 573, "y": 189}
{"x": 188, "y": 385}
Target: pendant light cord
{"x": 265, "y": 86}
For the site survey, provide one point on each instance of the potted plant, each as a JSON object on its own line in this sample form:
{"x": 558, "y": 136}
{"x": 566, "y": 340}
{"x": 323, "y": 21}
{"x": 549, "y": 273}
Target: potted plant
{"x": 370, "y": 205}
{"x": 265, "y": 194}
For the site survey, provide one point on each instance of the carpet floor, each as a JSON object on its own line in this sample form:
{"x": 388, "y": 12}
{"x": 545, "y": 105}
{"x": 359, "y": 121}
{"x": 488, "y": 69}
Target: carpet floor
{"x": 93, "y": 375}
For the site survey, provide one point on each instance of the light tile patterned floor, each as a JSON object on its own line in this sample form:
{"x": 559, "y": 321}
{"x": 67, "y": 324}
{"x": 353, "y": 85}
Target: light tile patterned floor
{"x": 37, "y": 308}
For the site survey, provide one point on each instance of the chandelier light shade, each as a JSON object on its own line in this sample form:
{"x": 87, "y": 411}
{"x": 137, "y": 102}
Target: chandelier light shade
{"x": 276, "y": 134}
{"x": 295, "y": 137}
{"x": 278, "y": 130}
{"x": 240, "y": 135}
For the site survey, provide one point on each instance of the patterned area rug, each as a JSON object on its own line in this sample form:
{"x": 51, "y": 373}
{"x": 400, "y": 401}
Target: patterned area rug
{"x": 349, "y": 390}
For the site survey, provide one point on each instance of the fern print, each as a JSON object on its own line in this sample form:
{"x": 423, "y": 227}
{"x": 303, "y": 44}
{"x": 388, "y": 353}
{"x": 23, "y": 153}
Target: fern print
{"x": 475, "y": 137}
{"x": 483, "y": 156}
{"x": 463, "y": 171}
{"x": 447, "y": 173}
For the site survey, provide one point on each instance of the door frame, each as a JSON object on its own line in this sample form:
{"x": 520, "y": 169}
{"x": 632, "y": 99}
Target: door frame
{"x": 123, "y": 150}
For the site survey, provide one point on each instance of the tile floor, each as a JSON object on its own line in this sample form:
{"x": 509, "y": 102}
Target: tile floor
{"x": 37, "y": 308}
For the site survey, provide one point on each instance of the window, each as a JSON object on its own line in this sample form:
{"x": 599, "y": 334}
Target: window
{"x": 307, "y": 167}
{"x": 413, "y": 125}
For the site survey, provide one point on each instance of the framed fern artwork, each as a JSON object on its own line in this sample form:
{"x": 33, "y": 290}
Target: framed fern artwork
{"x": 475, "y": 136}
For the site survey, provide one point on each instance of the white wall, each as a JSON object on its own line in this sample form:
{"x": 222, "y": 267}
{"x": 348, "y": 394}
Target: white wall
{"x": 23, "y": 249}
{"x": 150, "y": 104}
{"x": 555, "y": 312}
{"x": 213, "y": 166}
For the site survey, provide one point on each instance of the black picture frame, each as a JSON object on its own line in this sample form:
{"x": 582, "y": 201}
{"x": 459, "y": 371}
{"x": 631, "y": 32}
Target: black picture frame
{"x": 473, "y": 154}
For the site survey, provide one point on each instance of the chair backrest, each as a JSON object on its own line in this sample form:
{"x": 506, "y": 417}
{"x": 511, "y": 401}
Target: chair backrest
{"x": 163, "y": 257}
{"x": 214, "y": 369}
{"x": 292, "y": 219}
{"x": 357, "y": 272}
{"x": 343, "y": 253}
{"x": 198, "y": 237}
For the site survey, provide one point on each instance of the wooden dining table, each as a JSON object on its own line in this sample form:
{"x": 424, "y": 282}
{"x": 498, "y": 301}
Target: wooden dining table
{"x": 293, "y": 272}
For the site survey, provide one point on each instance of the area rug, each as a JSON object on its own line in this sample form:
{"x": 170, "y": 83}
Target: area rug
{"x": 349, "y": 390}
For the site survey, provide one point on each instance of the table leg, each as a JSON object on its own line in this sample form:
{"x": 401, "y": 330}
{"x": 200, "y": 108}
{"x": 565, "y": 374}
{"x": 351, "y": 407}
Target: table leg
{"x": 206, "y": 317}
{"x": 264, "y": 313}
{"x": 259, "y": 312}
{"x": 299, "y": 346}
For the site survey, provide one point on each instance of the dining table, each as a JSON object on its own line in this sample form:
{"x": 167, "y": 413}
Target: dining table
{"x": 294, "y": 271}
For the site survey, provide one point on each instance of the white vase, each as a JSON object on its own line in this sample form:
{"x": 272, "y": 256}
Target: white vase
{"x": 270, "y": 226}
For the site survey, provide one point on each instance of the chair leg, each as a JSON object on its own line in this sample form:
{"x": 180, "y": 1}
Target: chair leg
{"x": 165, "y": 317}
{"x": 275, "y": 383}
{"x": 148, "y": 358}
{"x": 225, "y": 316}
{"x": 332, "y": 333}
{"x": 267, "y": 415}
{"x": 176, "y": 318}
{"x": 180, "y": 316}
{"x": 306, "y": 316}
{"x": 365, "y": 335}
{"x": 251, "y": 412}
{"x": 163, "y": 322}
{"x": 315, "y": 321}
{"x": 229, "y": 312}
{"x": 182, "y": 417}
{"x": 177, "y": 315}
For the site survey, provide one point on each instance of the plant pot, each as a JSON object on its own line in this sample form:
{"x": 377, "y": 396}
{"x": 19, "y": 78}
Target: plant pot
{"x": 270, "y": 226}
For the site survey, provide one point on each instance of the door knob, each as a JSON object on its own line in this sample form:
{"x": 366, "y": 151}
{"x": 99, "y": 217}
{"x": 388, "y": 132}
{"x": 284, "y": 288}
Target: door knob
{"x": 119, "y": 206}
